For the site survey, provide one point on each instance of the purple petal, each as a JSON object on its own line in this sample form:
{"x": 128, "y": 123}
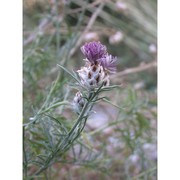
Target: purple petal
{"x": 109, "y": 63}
{"x": 93, "y": 51}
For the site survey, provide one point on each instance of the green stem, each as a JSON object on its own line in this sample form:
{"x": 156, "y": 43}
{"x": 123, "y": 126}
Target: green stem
{"x": 45, "y": 103}
{"x": 54, "y": 106}
{"x": 80, "y": 116}
{"x": 69, "y": 137}
{"x": 68, "y": 140}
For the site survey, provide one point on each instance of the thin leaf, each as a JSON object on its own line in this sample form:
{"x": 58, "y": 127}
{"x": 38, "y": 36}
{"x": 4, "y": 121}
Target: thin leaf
{"x": 68, "y": 72}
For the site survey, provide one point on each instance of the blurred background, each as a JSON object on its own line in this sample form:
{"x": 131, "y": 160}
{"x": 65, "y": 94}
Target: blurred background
{"x": 120, "y": 139}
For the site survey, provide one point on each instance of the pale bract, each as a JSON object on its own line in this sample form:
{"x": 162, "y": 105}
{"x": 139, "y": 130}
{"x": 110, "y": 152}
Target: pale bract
{"x": 92, "y": 76}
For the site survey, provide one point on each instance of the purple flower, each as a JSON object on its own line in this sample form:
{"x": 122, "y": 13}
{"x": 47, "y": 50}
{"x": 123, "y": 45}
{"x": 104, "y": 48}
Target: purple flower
{"x": 93, "y": 51}
{"x": 108, "y": 62}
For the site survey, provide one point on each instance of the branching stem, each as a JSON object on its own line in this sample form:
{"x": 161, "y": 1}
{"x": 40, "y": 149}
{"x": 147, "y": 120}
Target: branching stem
{"x": 72, "y": 135}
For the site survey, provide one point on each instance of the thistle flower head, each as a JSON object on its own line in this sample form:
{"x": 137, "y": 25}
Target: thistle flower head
{"x": 98, "y": 65}
{"x": 93, "y": 51}
{"x": 108, "y": 62}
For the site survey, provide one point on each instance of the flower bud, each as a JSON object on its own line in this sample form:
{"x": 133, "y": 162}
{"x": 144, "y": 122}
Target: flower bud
{"x": 78, "y": 102}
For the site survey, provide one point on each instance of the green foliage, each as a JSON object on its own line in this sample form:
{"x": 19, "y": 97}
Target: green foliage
{"x": 118, "y": 140}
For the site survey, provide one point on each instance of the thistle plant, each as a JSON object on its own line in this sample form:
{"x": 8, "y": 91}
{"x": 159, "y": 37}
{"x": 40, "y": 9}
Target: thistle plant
{"x": 91, "y": 80}
{"x": 71, "y": 123}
